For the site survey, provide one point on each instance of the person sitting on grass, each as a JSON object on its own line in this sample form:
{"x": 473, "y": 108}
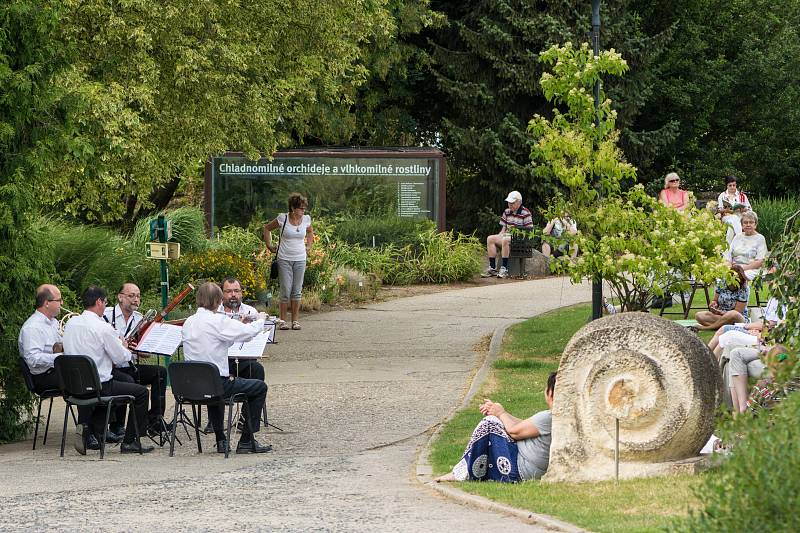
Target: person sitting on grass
{"x": 515, "y": 216}
{"x": 506, "y": 448}
{"x": 729, "y": 305}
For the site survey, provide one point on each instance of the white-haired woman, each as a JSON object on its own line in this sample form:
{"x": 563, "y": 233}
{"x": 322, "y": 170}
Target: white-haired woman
{"x": 749, "y": 248}
{"x": 672, "y": 194}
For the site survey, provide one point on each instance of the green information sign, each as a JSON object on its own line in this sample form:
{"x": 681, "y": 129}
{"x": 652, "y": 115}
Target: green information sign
{"x": 406, "y": 183}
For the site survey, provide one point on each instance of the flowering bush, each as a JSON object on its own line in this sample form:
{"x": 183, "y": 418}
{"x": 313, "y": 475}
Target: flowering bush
{"x": 637, "y": 245}
{"x": 216, "y": 265}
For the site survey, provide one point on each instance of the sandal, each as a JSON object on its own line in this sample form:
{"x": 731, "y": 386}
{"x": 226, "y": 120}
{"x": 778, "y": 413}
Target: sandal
{"x": 285, "y": 325}
{"x": 295, "y": 325}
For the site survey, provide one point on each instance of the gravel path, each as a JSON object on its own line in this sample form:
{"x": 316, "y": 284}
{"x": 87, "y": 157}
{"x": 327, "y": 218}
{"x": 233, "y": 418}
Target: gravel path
{"x": 357, "y": 392}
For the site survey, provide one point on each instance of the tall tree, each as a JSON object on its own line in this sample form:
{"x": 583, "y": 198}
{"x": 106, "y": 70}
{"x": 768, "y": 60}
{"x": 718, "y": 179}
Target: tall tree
{"x": 153, "y": 89}
{"x": 29, "y": 112}
{"x": 487, "y": 72}
{"x": 728, "y": 81}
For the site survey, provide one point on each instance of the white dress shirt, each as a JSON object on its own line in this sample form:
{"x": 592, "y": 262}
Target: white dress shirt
{"x": 208, "y": 335}
{"x": 114, "y": 316}
{"x": 244, "y": 310}
{"x": 36, "y": 340}
{"x": 88, "y": 334}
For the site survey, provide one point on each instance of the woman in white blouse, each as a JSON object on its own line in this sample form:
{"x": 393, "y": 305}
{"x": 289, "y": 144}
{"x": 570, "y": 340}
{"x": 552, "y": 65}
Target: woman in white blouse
{"x": 731, "y": 204}
{"x": 296, "y": 238}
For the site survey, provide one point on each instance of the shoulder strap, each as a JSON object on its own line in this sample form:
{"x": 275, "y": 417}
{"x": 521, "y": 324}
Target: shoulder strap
{"x": 280, "y": 235}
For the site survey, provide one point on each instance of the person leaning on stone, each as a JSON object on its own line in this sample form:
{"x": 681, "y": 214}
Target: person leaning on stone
{"x": 39, "y": 339}
{"x": 124, "y": 317}
{"x": 88, "y": 334}
{"x": 506, "y": 448}
{"x": 207, "y": 336}
{"x": 514, "y": 217}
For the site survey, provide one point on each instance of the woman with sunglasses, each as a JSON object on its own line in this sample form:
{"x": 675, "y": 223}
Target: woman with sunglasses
{"x": 296, "y": 238}
{"x": 672, "y": 194}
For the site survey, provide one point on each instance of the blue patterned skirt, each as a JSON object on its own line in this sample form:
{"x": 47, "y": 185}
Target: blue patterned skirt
{"x": 490, "y": 455}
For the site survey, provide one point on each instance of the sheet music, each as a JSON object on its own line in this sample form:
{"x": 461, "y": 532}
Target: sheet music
{"x": 252, "y": 349}
{"x": 161, "y": 338}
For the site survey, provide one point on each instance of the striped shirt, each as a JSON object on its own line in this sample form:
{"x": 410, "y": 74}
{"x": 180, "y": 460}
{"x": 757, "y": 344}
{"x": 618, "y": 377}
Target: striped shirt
{"x": 520, "y": 219}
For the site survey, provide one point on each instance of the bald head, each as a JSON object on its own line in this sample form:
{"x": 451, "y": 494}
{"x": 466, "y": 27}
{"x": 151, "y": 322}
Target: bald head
{"x": 48, "y": 300}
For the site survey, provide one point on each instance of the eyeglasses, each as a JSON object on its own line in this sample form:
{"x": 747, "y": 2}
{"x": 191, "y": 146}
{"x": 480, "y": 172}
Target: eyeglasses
{"x": 674, "y": 181}
{"x": 60, "y": 300}
{"x": 132, "y": 296}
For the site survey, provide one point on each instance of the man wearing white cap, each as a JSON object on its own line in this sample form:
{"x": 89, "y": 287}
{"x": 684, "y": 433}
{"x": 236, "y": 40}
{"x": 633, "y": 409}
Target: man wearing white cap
{"x": 515, "y": 216}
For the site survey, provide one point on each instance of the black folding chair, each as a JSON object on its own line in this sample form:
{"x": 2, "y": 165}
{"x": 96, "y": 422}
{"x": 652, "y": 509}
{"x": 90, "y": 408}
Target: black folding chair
{"x": 43, "y": 395}
{"x": 77, "y": 375}
{"x": 198, "y": 383}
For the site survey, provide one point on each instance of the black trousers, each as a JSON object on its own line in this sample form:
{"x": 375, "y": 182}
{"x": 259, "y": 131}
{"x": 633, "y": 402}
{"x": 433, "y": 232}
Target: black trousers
{"x": 46, "y": 381}
{"x": 153, "y": 375}
{"x": 247, "y": 368}
{"x": 96, "y": 416}
{"x": 256, "y": 392}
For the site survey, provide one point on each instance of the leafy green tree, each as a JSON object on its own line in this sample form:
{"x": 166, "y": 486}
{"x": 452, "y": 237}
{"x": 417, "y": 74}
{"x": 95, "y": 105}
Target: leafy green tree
{"x": 486, "y": 69}
{"x": 28, "y": 104}
{"x": 152, "y": 89}
{"x": 634, "y": 243}
{"x": 727, "y": 83}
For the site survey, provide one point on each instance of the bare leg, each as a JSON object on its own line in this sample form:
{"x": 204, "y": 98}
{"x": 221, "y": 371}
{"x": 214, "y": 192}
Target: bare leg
{"x": 718, "y": 352}
{"x": 714, "y": 342}
{"x": 295, "y": 310}
{"x": 730, "y": 317}
{"x": 506, "y": 246}
{"x": 492, "y": 242}
{"x": 283, "y": 307}
{"x": 447, "y": 477}
{"x": 546, "y": 249}
{"x": 739, "y": 395}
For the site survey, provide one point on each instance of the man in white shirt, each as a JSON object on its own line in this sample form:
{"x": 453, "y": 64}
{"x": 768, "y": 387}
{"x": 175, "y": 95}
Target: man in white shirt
{"x": 207, "y": 335}
{"x": 39, "y": 339}
{"x": 88, "y": 334}
{"x": 233, "y": 307}
{"x": 124, "y": 317}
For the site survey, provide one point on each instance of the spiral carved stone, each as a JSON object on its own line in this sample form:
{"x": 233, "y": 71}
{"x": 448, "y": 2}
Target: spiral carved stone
{"x": 658, "y": 379}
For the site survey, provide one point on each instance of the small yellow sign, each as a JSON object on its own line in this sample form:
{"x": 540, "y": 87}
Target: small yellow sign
{"x": 163, "y": 250}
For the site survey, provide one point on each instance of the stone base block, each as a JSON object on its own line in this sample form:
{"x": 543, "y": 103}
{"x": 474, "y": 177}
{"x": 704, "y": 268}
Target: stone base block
{"x": 605, "y": 472}
{"x": 536, "y": 266}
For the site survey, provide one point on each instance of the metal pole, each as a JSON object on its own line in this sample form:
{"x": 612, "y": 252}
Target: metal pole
{"x": 162, "y": 237}
{"x": 597, "y": 282}
{"x": 616, "y": 451}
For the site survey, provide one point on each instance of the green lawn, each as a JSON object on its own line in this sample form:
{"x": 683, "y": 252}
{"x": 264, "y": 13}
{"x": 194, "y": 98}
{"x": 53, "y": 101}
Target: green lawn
{"x": 530, "y": 351}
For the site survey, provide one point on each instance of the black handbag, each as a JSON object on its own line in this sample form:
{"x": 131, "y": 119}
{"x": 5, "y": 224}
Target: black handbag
{"x": 273, "y": 268}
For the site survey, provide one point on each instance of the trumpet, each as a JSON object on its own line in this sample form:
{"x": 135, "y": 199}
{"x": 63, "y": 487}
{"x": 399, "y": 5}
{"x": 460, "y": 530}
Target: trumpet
{"x": 63, "y": 322}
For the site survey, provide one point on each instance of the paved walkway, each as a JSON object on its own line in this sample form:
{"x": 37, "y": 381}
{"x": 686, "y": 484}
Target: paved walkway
{"x": 356, "y": 392}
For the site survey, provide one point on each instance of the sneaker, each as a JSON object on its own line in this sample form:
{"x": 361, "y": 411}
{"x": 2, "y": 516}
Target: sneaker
{"x": 503, "y": 273}
{"x": 490, "y": 273}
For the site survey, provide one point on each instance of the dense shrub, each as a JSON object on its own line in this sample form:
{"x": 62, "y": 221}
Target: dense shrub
{"x": 387, "y": 229}
{"x": 446, "y": 257}
{"x": 772, "y": 216}
{"x": 757, "y": 486}
{"x": 237, "y": 240}
{"x": 216, "y": 265}
{"x": 91, "y": 255}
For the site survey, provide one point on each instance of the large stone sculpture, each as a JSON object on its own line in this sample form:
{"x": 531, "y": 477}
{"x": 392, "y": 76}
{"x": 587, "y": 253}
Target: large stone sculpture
{"x": 658, "y": 379}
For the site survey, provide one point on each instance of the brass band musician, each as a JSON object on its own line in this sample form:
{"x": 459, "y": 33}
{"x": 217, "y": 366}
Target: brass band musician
{"x": 39, "y": 339}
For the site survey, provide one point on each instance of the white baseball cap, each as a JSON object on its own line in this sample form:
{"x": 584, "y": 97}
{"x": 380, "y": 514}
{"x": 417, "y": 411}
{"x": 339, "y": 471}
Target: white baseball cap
{"x": 514, "y": 196}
